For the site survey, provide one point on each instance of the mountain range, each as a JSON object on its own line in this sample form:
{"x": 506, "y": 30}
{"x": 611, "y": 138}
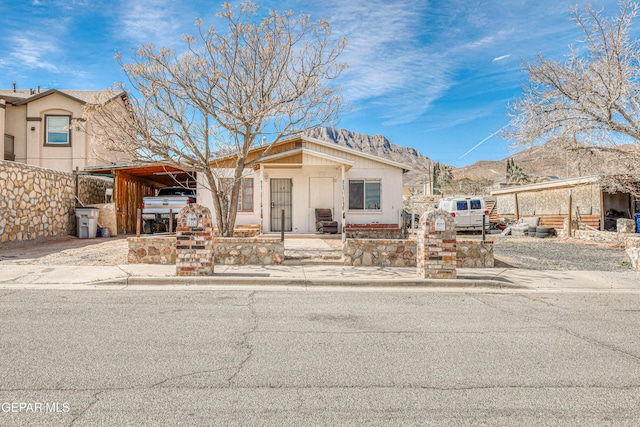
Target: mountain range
{"x": 534, "y": 161}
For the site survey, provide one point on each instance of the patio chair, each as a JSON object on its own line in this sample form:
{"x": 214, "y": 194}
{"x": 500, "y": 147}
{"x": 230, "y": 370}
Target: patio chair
{"x": 325, "y": 222}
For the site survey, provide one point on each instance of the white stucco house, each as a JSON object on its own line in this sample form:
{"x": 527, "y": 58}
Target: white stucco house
{"x": 301, "y": 174}
{"x": 47, "y": 129}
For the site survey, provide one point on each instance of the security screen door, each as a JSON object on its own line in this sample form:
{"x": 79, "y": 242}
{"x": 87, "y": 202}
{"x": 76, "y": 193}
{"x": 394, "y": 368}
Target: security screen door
{"x": 280, "y": 199}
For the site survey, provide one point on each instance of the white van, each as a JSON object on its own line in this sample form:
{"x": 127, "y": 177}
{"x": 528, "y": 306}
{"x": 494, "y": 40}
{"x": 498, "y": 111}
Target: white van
{"x": 467, "y": 211}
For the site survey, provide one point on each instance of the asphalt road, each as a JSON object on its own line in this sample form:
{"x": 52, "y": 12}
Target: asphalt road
{"x": 331, "y": 357}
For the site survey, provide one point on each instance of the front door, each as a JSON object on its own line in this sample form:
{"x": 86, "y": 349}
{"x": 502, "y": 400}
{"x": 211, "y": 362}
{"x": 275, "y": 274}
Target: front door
{"x": 280, "y": 203}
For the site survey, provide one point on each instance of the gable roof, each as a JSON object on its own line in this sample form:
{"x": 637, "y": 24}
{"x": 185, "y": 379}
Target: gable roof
{"x": 22, "y": 97}
{"x": 300, "y": 148}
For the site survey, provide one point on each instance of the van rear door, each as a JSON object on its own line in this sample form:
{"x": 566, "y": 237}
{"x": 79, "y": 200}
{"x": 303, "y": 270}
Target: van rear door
{"x": 461, "y": 209}
{"x": 476, "y": 211}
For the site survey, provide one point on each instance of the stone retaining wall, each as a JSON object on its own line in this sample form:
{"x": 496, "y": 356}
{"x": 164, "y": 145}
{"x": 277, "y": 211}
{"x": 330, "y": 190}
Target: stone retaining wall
{"x": 248, "y": 251}
{"x": 475, "y": 254}
{"x": 228, "y": 251}
{"x": 602, "y": 236}
{"x": 373, "y": 231}
{"x": 39, "y": 203}
{"x": 380, "y": 252}
{"x": 402, "y": 253}
{"x": 152, "y": 250}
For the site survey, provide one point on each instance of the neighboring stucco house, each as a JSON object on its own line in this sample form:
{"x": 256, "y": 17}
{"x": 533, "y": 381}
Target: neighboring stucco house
{"x": 47, "y": 129}
{"x": 302, "y": 174}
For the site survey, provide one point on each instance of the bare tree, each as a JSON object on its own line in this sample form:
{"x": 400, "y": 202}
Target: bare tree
{"x": 225, "y": 93}
{"x": 591, "y": 100}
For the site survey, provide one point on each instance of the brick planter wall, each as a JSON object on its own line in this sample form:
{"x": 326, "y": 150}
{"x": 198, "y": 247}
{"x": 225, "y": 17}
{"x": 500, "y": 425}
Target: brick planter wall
{"x": 249, "y": 230}
{"x": 373, "y": 231}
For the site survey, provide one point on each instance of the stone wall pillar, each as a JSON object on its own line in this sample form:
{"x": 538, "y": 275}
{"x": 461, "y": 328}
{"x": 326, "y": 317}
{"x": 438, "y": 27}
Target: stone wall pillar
{"x": 194, "y": 241}
{"x": 633, "y": 250}
{"x": 436, "y": 246}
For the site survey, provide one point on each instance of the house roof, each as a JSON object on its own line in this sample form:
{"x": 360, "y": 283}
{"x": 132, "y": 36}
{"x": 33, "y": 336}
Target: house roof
{"x": 559, "y": 183}
{"x": 21, "y": 97}
{"x": 310, "y": 151}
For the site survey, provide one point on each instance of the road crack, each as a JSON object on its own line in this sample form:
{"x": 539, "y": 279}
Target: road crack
{"x": 89, "y": 406}
{"x": 557, "y": 327}
{"x": 245, "y": 338}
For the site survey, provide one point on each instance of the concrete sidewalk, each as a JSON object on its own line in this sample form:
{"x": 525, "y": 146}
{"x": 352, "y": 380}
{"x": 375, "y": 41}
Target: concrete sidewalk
{"x": 81, "y": 277}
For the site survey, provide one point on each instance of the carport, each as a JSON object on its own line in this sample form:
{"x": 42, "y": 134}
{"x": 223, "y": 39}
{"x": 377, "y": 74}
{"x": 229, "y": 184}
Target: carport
{"x": 133, "y": 182}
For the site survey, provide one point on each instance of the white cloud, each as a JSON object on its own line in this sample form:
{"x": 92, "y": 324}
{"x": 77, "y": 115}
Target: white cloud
{"x": 150, "y": 21}
{"x": 30, "y": 50}
{"x": 500, "y": 58}
{"x": 387, "y": 63}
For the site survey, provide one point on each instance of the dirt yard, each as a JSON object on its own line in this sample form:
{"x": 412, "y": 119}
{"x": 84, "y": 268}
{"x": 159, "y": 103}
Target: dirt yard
{"x": 509, "y": 251}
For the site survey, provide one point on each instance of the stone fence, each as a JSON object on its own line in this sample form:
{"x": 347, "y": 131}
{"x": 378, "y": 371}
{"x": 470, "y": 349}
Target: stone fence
{"x": 402, "y": 253}
{"x": 38, "y": 203}
{"x": 227, "y": 250}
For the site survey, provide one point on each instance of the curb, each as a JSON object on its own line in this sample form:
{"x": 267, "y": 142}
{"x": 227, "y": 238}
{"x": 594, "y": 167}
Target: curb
{"x": 275, "y": 281}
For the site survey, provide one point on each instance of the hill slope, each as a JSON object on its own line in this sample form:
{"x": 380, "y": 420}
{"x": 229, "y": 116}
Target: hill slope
{"x": 377, "y": 145}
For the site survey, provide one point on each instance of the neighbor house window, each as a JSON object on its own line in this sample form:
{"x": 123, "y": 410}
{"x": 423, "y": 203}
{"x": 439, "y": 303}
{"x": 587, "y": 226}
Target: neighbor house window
{"x": 245, "y": 196}
{"x": 364, "y": 195}
{"x": 57, "y": 130}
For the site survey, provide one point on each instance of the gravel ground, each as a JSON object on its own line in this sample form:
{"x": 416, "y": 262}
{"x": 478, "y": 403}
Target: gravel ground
{"x": 558, "y": 254}
{"x": 509, "y": 251}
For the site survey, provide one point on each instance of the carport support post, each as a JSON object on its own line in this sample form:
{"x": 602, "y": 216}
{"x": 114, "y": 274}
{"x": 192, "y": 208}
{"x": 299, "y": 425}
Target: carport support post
{"x": 602, "y": 209}
{"x": 77, "y": 186}
{"x": 569, "y": 215}
{"x": 517, "y": 207}
{"x": 344, "y": 218}
{"x": 138, "y": 221}
{"x": 261, "y": 198}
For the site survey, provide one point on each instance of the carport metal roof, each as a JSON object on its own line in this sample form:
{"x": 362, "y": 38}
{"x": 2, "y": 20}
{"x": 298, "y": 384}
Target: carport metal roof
{"x": 158, "y": 175}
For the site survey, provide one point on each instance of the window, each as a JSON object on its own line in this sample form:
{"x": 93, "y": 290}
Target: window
{"x": 364, "y": 195}
{"x": 475, "y": 204}
{"x": 57, "y": 130}
{"x": 245, "y": 196}
{"x": 461, "y": 205}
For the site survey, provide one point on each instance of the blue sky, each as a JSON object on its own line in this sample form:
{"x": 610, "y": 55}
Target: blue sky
{"x": 433, "y": 75}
